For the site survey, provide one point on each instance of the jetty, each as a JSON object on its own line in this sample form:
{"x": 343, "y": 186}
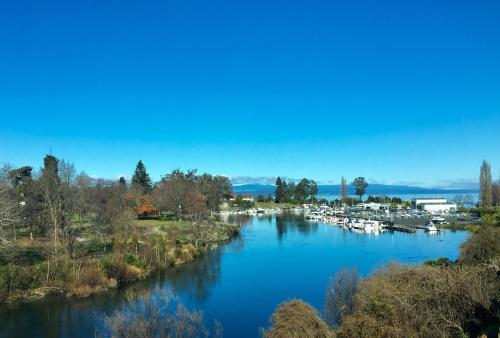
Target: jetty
{"x": 401, "y": 228}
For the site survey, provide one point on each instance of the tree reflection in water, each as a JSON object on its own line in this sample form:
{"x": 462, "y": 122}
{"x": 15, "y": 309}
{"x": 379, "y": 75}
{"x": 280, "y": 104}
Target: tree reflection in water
{"x": 294, "y": 222}
{"x": 197, "y": 278}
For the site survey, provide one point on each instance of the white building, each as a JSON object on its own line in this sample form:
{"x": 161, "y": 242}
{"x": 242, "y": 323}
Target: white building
{"x": 433, "y": 205}
{"x": 373, "y": 206}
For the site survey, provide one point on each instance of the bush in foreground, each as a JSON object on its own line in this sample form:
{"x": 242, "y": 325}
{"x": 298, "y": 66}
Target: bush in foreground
{"x": 424, "y": 301}
{"x": 297, "y": 319}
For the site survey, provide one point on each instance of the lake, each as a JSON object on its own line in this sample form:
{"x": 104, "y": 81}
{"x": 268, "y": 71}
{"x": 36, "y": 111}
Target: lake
{"x": 240, "y": 284}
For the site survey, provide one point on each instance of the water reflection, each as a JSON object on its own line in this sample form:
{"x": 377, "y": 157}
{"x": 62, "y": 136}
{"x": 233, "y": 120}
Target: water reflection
{"x": 294, "y": 222}
{"x": 196, "y": 278}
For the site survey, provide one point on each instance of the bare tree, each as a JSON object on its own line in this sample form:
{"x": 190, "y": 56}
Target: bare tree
{"x": 213, "y": 189}
{"x": 340, "y": 294}
{"x": 174, "y": 189}
{"x": 50, "y": 185}
{"x": 9, "y": 215}
{"x": 67, "y": 172}
{"x": 485, "y": 185}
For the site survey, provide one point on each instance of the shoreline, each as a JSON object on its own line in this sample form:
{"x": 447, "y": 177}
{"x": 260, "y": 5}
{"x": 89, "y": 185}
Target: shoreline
{"x": 187, "y": 250}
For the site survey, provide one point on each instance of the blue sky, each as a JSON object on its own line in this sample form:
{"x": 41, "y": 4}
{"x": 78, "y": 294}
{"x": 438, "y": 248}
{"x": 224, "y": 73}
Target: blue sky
{"x": 395, "y": 91}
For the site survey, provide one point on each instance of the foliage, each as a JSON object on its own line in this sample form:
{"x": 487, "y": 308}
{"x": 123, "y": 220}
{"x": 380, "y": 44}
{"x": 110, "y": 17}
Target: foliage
{"x": 306, "y": 190}
{"x": 297, "y": 319}
{"x": 384, "y": 199}
{"x": 182, "y": 193}
{"x": 424, "y": 301}
{"x": 360, "y": 184}
{"x": 343, "y": 190}
{"x": 264, "y": 199}
{"x": 442, "y": 262}
{"x": 485, "y": 185}
{"x": 242, "y": 204}
{"x": 280, "y": 193}
{"x": 141, "y": 178}
{"x": 481, "y": 247}
{"x": 78, "y": 234}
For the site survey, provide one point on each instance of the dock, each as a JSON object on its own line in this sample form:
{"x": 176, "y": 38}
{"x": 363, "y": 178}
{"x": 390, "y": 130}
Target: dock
{"x": 401, "y": 228}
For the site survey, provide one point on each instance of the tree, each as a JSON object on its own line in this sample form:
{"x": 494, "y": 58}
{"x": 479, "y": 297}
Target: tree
{"x": 50, "y": 185}
{"x": 196, "y": 206}
{"x": 485, "y": 185}
{"x": 173, "y": 191}
{"x": 343, "y": 190}
{"x": 141, "y": 178}
{"x": 496, "y": 194}
{"x": 67, "y": 172}
{"x": 360, "y": 184}
{"x": 340, "y": 295}
{"x": 9, "y": 215}
{"x": 289, "y": 189}
{"x": 302, "y": 190}
{"x": 213, "y": 189}
{"x": 280, "y": 193}
{"x": 20, "y": 175}
{"x": 313, "y": 189}
{"x": 29, "y": 196}
{"x": 122, "y": 184}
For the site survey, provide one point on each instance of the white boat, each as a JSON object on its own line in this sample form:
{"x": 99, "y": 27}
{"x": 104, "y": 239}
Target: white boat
{"x": 342, "y": 221}
{"x": 314, "y": 216}
{"x": 438, "y": 220}
{"x": 431, "y": 227}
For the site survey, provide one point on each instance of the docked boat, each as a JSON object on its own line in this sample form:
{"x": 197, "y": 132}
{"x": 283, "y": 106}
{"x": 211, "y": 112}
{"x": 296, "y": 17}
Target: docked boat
{"x": 431, "y": 227}
{"x": 438, "y": 220}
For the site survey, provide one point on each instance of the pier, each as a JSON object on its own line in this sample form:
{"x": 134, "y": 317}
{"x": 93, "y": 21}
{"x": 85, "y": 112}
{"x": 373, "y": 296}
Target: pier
{"x": 401, "y": 228}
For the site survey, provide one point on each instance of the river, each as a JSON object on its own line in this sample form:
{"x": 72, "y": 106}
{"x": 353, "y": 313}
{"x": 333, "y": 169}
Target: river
{"x": 240, "y": 284}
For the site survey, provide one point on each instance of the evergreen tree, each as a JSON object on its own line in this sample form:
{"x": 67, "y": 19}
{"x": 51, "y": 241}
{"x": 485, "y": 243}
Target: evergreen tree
{"x": 122, "y": 184}
{"x": 289, "y": 189}
{"x": 141, "y": 178}
{"x": 313, "y": 189}
{"x": 280, "y": 193}
{"x": 485, "y": 185}
{"x": 343, "y": 190}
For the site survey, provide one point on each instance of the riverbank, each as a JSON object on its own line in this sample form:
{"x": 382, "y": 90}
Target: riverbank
{"x": 262, "y": 266}
{"x": 101, "y": 262}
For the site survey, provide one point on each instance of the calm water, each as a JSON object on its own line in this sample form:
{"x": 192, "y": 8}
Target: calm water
{"x": 240, "y": 284}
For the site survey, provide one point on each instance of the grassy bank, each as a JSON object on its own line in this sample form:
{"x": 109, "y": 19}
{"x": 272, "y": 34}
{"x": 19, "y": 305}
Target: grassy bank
{"x": 102, "y": 260}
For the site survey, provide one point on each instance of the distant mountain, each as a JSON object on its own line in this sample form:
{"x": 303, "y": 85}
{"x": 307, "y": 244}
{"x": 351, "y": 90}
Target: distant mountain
{"x": 373, "y": 189}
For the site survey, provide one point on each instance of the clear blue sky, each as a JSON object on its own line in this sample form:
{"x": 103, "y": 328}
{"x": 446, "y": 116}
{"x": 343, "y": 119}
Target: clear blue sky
{"x": 396, "y": 91}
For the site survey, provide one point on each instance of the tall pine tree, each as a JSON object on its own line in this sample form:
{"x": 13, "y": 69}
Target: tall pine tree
{"x": 343, "y": 190}
{"x": 485, "y": 185}
{"x": 141, "y": 178}
{"x": 280, "y": 191}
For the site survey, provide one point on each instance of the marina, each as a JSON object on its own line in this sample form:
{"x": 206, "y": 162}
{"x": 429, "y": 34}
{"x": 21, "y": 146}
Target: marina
{"x": 373, "y": 217}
